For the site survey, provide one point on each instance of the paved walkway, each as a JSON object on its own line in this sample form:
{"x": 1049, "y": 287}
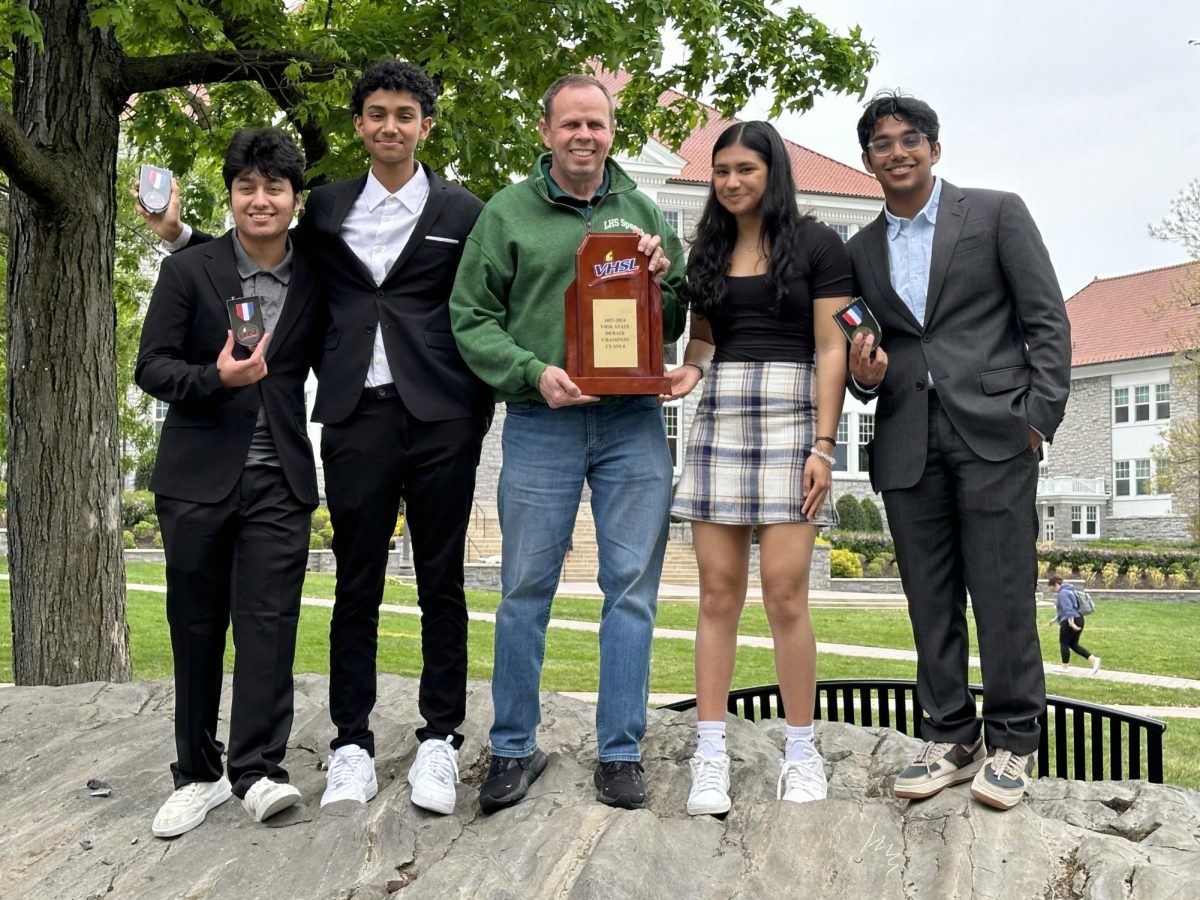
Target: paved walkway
{"x": 579, "y": 589}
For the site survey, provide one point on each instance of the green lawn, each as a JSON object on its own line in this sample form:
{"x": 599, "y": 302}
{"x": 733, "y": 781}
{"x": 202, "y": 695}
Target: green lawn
{"x": 572, "y": 657}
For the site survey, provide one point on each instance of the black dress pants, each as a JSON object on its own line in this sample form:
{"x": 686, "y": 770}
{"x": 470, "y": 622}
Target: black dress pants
{"x": 241, "y": 559}
{"x": 378, "y": 455}
{"x": 970, "y": 524}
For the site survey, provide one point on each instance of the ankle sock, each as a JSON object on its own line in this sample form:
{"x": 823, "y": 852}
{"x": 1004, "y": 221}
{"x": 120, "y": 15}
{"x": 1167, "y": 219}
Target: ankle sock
{"x": 800, "y": 744}
{"x": 710, "y": 739}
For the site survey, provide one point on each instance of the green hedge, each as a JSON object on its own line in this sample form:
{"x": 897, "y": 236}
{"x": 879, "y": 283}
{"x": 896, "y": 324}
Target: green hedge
{"x": 1066, "y": 560}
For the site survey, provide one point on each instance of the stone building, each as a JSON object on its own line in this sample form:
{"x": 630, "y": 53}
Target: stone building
{"x": 1099, "y": 479}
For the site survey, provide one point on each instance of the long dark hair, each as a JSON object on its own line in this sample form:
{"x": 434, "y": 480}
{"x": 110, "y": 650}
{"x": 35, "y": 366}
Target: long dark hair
{"x": 712, "y": 243}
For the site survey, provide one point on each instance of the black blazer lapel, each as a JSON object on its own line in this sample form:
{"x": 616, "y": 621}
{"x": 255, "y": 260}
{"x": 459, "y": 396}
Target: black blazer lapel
{"x": 877, "y": 261}
{"x": 298, "y": 296}
{"x": 343, "y": 199}
{"x": 952, "y": 212}
{"x": 433, "y": 206}
{"x": 220, "y": 265}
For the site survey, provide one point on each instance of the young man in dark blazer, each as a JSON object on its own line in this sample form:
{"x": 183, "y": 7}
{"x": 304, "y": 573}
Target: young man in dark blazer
{"x": 234, "y": 481}
{"x": 403, "y": 416}
{"x": 971, "y": 376}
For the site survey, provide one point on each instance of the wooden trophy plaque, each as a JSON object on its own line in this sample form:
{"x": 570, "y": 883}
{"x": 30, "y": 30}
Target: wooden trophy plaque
{"x": 614, "y": 319}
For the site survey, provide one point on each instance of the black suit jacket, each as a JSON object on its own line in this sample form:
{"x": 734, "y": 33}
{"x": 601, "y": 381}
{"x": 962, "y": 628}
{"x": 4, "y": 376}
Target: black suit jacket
{"x": 206, "y": 435}
{"x": 411, "y": 305}
{"x": 995, "y": 337}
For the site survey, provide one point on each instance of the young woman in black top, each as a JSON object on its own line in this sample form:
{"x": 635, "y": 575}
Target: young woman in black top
{"x": 763, "y": 284}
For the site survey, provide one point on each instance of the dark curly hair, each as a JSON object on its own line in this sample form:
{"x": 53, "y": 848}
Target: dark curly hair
{"x": 893, "y": 103}
{"x": 712, "y": 243}
{"x": 394, "y": 75}
{"x": 267, "y": 151}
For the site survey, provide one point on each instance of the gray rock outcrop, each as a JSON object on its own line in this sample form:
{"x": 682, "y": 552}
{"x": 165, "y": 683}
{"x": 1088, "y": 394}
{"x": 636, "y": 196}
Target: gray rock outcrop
{"x": 1067, "y": 840}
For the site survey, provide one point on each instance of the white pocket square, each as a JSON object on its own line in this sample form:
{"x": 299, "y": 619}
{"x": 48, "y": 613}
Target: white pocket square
{"x": 444, "y": 240}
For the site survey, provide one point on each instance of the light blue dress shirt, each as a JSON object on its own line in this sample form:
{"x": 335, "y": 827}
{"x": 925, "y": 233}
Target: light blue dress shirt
{"x": 910, "y": 246}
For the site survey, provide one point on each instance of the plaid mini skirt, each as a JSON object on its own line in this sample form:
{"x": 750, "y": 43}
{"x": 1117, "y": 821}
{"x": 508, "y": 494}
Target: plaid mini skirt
{"x": 748, "y": 444}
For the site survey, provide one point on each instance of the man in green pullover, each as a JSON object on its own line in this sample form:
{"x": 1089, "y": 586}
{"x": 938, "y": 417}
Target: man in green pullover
{"x": 507, "y": 315}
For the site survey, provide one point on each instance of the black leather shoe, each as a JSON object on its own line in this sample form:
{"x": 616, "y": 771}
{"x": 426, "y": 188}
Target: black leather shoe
{"x": 620, "y": 784}
{"x": 508, "y": 780}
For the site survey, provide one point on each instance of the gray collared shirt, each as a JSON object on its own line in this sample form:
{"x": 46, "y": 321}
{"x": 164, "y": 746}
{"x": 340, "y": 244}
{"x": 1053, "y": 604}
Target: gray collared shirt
{"x": 272, "y": 286}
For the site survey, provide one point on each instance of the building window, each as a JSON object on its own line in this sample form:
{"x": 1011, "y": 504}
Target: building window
{"x": 160, "y": 413}
{"x": 866, "y": 434}
{"x": 1133, "y": 478}
{"x": 843, "y": 443}
{"x": 1141, "y": 477}
{"x": 1121, "y": 405}
{"x": 1085, "y": 521}
{"x": 1048, "y": 525}
{"x": 1162, "y": 401}
{"x": 671, "y": 416}
{"x": 1121, "y": 478}
{"x": 843, "y": 230}
{"x": 673, "y": 219}
{"x": 1141, "y": 403}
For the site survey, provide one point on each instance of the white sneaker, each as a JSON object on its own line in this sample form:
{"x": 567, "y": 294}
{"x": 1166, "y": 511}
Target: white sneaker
{"x": 351, "y": 776}
{"x": 187, "y": 806}
{"x": 266, "y": 798}
{"x": 800, "y": 782}
{"x": 709, "y": 795}
{"x": 1096, "y": 664}
{"x": 433, "y": 775}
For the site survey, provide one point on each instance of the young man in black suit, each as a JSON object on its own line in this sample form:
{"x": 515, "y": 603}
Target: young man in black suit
{"x": 234, "y": 481}
{"x": 403, "y": 417}
{"x": 970, "y": 378}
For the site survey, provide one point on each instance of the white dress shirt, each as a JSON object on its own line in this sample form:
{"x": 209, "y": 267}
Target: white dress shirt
{"x": 376, "y": 229}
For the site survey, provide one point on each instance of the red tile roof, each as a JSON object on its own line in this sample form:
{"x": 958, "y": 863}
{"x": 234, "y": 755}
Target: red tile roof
{"x": 814, "y": 173}
{"x": 1135, "y": 316}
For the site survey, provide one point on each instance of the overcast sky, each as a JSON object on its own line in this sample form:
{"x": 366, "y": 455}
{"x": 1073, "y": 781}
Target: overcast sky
{"x": 1088, "y": 110}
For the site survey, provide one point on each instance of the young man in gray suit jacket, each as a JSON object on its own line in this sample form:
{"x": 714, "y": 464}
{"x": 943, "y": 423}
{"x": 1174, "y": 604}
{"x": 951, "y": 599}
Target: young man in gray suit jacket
{"x": 971, "y": 376}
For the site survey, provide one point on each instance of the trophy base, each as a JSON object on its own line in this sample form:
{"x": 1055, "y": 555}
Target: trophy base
{"x": 608, "y": 385}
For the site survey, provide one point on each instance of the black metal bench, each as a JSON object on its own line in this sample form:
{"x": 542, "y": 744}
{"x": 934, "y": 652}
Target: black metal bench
{"x": 1085, "y": 736}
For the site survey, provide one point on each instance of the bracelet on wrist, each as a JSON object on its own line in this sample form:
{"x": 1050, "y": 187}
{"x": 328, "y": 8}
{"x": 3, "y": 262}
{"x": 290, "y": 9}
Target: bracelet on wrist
{"x": 823, "y": 456}
{"x": 832, "y": 442}
{"x": 699, "y": 368}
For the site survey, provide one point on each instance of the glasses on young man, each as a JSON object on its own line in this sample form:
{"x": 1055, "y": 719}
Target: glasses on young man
{"x": 882, "y": 146}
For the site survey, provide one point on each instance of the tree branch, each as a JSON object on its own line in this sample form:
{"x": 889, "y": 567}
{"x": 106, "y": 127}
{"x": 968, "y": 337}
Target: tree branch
{"x": 247, "y": 35}
{"x": 29, "y": 170}
{"x": 154, "y": 73}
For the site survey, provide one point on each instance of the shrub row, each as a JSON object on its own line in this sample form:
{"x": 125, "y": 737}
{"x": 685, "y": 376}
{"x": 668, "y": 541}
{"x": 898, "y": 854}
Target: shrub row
{"x": 1104, "y": 566}
{"x": 858, "y": 515}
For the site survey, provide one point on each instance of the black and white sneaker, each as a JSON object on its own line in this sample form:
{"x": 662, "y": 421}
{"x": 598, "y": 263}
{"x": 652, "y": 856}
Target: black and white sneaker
{"x": 620, "y": 784}
{"x": 1001, "y": 783}
{"x": 938, "y": 766}
{"x": 508, "y": 780}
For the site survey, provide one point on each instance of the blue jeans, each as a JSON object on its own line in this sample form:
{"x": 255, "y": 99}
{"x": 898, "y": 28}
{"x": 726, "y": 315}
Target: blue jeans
{"x": 620, "y": 450}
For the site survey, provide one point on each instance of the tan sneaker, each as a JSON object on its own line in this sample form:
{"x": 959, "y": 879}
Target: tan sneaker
{"x": 1002, "y": 781}
{"x": 938, "y": 766}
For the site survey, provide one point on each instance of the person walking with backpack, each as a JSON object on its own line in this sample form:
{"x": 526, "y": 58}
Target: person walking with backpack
{"x": 1069, "y": 616}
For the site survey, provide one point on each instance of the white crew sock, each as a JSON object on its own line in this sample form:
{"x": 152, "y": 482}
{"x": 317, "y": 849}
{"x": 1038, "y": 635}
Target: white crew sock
{"x": 800, "y": 744}
{"x": 710, "y": 739}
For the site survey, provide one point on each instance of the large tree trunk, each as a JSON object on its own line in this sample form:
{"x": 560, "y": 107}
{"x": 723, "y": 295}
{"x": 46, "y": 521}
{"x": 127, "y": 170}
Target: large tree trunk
{"x": 67, "y": 572}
